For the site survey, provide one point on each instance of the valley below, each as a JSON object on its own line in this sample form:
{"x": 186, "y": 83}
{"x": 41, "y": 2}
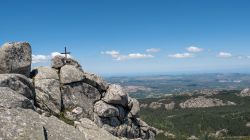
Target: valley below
{"x": 202, "y": 107}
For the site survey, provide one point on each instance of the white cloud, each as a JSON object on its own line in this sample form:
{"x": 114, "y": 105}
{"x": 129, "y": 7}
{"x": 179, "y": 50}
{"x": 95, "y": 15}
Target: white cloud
{"x": 139, "y": 55}
{"x": 117, "y": 56}
{"x": 46, "y": 58}
{"x": 53, "y": 54}
{"x": 40, "y": 58}
{"x": 181, "y": 55}
{"x": 225, "y": 55}
{"x": 152, "y": 50}
{"x": 113, "y": 53}
{"x": 194, "y": 49}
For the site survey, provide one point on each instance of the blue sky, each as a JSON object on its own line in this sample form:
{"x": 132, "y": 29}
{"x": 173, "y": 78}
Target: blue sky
{"x": 134, "y": 36}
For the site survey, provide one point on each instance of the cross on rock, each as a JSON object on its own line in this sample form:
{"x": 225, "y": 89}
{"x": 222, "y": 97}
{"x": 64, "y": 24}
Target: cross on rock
{"x": 65, "y": 52}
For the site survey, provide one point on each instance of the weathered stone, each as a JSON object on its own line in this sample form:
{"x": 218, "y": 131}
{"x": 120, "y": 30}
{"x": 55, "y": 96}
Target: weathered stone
{"x": 128, "y": 132}
{"x": 48, "y": 95}
{"x": 133, "y": 132}
{"x": 44, "y": 73}
{"x": 170, "y": 106}
{"x": 96, "y": 81}
{"x": 97, "y": 119}
{"x": 20, "y": 124}
{"x": 19, "y": 83}
{"x": 59, "y": 61}
{"x": 130, "y": 103}
{"x": 105, "y": 110}
{"x": 193, "y": 138}
{"x": 169, "y": 135}
{"x": 245, "y": 92}
{"x": 221, "y": 133}
{"x": 122, "y": 113}
{"x": 114, "y": 121}
{"x": 115, "y": 95}
{"x": 10, "y": 99}
{"x": 80, "y": 95}
{"x": 122, "y": 130}
{"x": 203, "y": 102}
{"x": 143, "y": 105}
{"x": 92, "y": 132}
{"x": 248, "y": 124}
{"x": 135, "y": 108}
{"x": 70, "y": 74}
{"x": 15, "y": 57}
{"x": 155, "y": 105}
{"x": 110, "y": 129}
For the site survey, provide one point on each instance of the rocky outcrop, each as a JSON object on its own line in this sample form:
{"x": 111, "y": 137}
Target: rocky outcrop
{"x": 47, "y": 87}
{"x": 15, "y": 58}
{"x": 86, "y": 95}
{"x": 220, "y": 134}
{"x": 115, "y": 95}
{"x": 70, "y": 74}
{"x": 193, "y": 138}
{"x": 134, "y": 107}
{"x": 92, "y": 131}
{"x": 96, "y": 81}
{"x": 170, "y": 106}
{"x": 169, "y": 135}
{"x": 33, "y": 108}
{"x": 143, "y": 105}
{"x": 11, "y": 99}
{"x": 20, "y": 121}
{"x": 28, "y": 125}
{"x": 155, "y": 105}
{"x": 59, "y": 61}
{"x": 203, "y": 102}
{"x": 19, "y": 83}
{"x": 245, "y": 92}
{"x": 248, "y": 124}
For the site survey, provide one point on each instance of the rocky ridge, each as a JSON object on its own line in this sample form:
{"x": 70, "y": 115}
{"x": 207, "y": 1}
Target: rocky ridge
{"x": 87, "y": 106}
{"x": 245, "y": 92}
{"x": 204, "y": 102}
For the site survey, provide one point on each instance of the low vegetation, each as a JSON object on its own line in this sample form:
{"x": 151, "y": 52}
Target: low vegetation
{"x": 200, "y": 122}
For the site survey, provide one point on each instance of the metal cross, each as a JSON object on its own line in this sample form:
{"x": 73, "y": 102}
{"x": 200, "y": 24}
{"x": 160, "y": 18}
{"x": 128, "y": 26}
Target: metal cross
{"x": 65, "y": 52}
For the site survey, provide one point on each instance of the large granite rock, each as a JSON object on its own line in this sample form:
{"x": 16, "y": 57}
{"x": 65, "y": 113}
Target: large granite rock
{"x": 48, "y": 95}
{"x": 96, "y": 81}
{"x": 59, "y": 61}
{"x": 135, "y": 108}
{"x": 245, "y": 92}
{"x": 47, "y": 87}
{"x": 105, "y": 110}
{"x": 79, "y": 95}
{"x": 203, "y": 102}
{"x": 20, "y": 124}
{"x": 92, "y": 131}
{"x": 69, "y": 93}
{"x": 155, "y": 105}
{"x": 44, "y": 73}
{"x": 70, "y": 74}
{"x": 10, "y": 99}
{"x": 19, "y": 83}
{"x": 116, "y": 95}
{"x": 15, "y": 57}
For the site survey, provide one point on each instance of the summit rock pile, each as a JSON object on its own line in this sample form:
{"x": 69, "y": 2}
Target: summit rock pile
{"x": 63, "y": 102}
